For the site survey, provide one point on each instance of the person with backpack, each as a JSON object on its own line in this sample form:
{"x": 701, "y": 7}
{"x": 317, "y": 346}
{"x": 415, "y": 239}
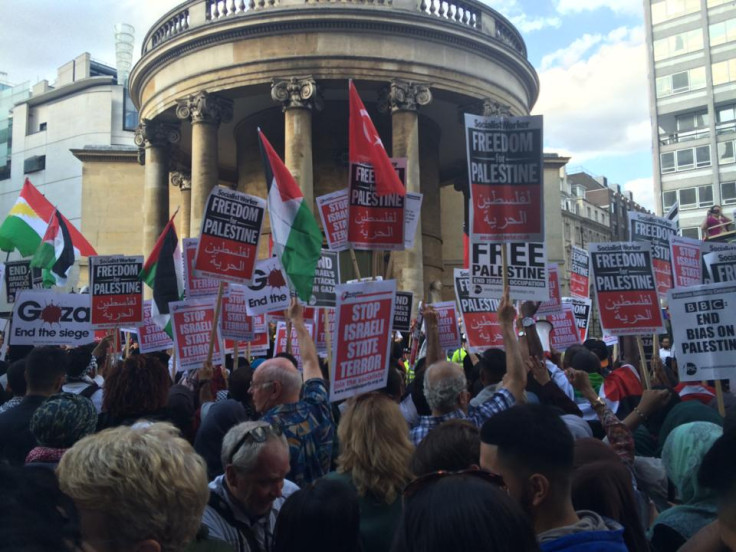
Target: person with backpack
{"x": 81, "y": 368}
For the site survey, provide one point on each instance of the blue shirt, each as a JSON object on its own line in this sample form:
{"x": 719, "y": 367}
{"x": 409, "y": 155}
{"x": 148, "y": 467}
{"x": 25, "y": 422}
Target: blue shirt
{"x": 477, "y": 415}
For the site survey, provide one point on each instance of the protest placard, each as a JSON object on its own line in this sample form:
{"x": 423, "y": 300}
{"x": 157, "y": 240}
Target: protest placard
{"x": 402, "y": 311}
{"x": 116, "y": 291}
{"x": 713, "y": 247}
{"x": 333, "y": 211}
{"x": 362, "y": 342}
{"x": 375, "y": 222}
{"x": 447, "y": 325}
{"x": 234, "y": 320}
{"x": 579, "y": 272}
{"x": 279, "y": 345}
{"x": 721, "y": 266}
{"x": 703, "y": 329}
{"x": 625, "y": 287}
{"x": 192, "y": 322}
{"x": 17, "y": 278}
{"x": 687, "y": 269}
{"x": 527, "y": 270}
{"x": 412, "y": 215}
{"x": 581, "y": 307}
{"x": 657, "y": 232}
{"x": 150, "y": 337}
{"x": 50, "y": 318}
{"x": 269, "y": 290}
{"x": 194, "y": 286}
{"x": 564, "y": 332}
{"x": 326, "y": 277}
{"x": 482, "y": 329}
{"x": 506, "y": 178}
{"x": 320, "y": 331}
{"x": 554, "y": 305}
{"x": 228, "y": 242}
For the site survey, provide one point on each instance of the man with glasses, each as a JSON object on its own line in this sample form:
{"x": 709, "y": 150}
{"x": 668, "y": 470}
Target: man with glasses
{"x": 301, "y": 411}
{"x": 245, "y": 501}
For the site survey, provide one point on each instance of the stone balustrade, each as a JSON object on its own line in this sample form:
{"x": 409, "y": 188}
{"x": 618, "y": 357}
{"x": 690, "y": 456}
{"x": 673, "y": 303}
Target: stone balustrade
{"x": 470, "y": 14}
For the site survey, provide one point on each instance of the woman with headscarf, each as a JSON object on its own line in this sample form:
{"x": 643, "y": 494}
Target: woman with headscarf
{"x": 375, "y": 452}
{"x": 57, "y": 424}
{"x": 683, "y": 413}
{"x": 682, "y": 455}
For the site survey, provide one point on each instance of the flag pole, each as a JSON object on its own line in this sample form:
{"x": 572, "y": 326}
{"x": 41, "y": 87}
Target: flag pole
{"x": 215, "y": 322}
{"x": 328, "y": 337}
{"x": 643, "y": 363}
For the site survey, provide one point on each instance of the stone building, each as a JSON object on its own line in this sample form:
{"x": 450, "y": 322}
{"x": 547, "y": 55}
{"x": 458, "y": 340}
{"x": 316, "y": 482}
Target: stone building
{"x": 212, "y": 72}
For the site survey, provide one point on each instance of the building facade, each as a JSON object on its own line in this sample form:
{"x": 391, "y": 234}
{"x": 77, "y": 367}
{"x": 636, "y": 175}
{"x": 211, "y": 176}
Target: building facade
{"x": 211, "y": 73}
{"x": 9, "y": 96}
{"x": 692, "y": 74}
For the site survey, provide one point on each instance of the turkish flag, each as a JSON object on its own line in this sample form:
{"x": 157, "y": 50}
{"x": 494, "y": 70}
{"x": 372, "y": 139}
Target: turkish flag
{"x": 366, "y": 147}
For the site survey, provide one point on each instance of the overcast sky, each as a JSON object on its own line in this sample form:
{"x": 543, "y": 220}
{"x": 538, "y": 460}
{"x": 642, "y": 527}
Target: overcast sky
{"x": 590, "y": 55}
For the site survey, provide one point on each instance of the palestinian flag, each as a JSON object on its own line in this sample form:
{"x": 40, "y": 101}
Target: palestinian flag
{"x": 27, "y": 221}
{"x": 622, "y": 390}
{"x": 297, "y": 238}
{"x": 56, "y": 253}
{"x": 162, "y": 272}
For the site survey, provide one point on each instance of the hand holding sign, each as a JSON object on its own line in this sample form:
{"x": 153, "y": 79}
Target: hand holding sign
{"x": 506, "y": 310}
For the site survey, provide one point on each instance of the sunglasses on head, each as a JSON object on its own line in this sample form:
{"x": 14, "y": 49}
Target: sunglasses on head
{"x": 258, "y": 434}
{"x": 423, "y": 481}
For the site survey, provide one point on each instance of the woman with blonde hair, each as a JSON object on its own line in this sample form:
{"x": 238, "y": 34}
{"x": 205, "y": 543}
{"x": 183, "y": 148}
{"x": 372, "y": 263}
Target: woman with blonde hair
{"x": 375, "y": 453}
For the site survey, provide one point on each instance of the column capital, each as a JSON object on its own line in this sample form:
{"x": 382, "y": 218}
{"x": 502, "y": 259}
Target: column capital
{"x": 204, "y": 107}
{"x": 181, "y": 179}
{"x": 402, "y": 95}
{"x": 153, "y": 133}
{"x": 297, "y": 93}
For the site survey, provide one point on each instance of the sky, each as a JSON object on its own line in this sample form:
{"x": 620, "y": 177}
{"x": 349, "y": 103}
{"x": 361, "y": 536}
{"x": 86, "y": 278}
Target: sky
{"x": 590, "y": 56}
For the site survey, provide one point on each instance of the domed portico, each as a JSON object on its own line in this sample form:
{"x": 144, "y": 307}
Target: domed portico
{"x": 212, "y": 72}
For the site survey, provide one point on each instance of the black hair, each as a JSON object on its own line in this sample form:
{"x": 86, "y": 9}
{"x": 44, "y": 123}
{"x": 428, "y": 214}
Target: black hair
{"x": 463, "y": 513}
{"x": 587, "y": 361}
{"x": 570, "y": 353}
{"x": 17, "y": 377}
{"x": 288, "y": 356}
{"x": 35, "y": 516}
{"x": 493, "y": 365}
{"x": 17, "y": 352}
{"x": 394, "y": 383}
{"x": 452, "y": 446}
{"x": 417, "y": 390}
{"x": 598, "y": 347}
{"x": 78, "y": 360}
{"x": 533, "y": 438}
{"x": 397, "y": 350}
{"x": 44, "y": 365}
{"x": 239, "y": 382}
{"x": 323, "y": 516}
{"x": 718, "y": 470}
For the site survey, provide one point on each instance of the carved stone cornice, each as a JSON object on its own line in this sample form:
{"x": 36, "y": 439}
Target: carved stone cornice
{"x": 297, "y": 93}
{"x": 204, "y": 107}
{"x": 401, "y": 95}
{"x": 181, "y": 179}
{"x": 492, "y": 108}
{"x": 153, "y": 133}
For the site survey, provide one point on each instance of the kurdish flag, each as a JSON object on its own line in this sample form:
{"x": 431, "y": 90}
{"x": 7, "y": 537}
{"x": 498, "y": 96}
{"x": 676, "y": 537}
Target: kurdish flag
{"x": 28, "y": 220}
{"x": 162, "y": 272}
{"x": 296, "y": 236}
{"x": 56, "y": 252}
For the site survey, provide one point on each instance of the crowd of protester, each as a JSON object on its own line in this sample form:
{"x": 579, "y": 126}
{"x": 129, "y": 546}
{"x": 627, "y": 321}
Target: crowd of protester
{"x": 509, "y": 450}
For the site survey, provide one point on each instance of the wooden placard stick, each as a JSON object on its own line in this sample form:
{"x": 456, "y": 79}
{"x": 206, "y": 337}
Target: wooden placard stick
{"x": 328, "y": 337}
{"x": 288, "y": 335}
{"x": 719, "y": 398}
{"x": 643, "y": 370}
{"x": 354, "y": 260}
{"x": 215, "y": 322}
{"x": 389, "y": 266}
{"x": 248, "y": 352}
{"x": 504, "y": 267}
{"x": 655, "y": 345}
{"x": 127, "y": 344}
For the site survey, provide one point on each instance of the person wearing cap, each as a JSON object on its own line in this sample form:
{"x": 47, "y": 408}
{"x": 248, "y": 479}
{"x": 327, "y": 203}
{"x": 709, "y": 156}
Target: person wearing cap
{"x": 621, "y": 387}
{"x": 57, "y": 424}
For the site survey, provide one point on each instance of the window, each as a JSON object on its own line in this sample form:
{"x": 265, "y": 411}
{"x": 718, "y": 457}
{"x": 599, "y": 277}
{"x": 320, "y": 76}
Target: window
{"x": 724, "y": 71}
{"x": 693, "y": 233}
{"x": 689, "y": 198}
{"x": 726, "y": 119}
{"x": 34, "y": 164}
{"x": 675, "y": 45}
{"x": 685, "y": 159}
{"x": 677, "y": 83}
{"x": 726, "y": 153}
{"x": 130, "y": 114}
{"x": 713, "y": 3}
{"x": 664, "y": 10}
{"x": 5, "y": 171}
{"x": 42, "y": 127}
{"x": 722, "y": 32}
{"x": 669, "y": 199}
{"x": 728, "y": 193}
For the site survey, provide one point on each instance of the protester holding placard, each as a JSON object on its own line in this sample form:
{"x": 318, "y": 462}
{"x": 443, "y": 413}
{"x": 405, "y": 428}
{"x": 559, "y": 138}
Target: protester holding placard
{"x": 307, "y": 421}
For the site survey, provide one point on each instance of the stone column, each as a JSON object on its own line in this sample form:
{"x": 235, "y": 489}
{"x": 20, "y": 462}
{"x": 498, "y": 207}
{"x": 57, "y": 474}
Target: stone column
{"x": 299, "y": 96}
{"x": 205, "y": 111}
{"x": 182, "y": 179}
{"x": 403, "y": 99}
{"x": 155, "y": 137}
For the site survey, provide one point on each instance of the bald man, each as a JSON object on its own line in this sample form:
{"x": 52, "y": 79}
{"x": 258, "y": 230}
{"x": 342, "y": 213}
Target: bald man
{"x": 446, "y": 388}
{"x": 304, "y": 416}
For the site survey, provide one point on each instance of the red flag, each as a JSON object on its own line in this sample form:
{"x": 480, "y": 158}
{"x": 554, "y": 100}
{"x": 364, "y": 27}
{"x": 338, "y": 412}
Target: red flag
{"x": 366, "y": 147}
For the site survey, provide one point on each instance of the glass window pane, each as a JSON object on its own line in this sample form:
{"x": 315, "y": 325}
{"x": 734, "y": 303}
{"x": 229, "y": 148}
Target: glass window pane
{"x": 725, "y": 153}
{"x": 728, "y": 192}
{"x": 720, "y": 72}
{"x": 730, "y": 30}
{"x": 695, "y": 40}
{"x": 687, "y": 197}
{"x": 667, "y": 162}
{"x": 702, "y": 156}
{"x": 685, "y": 159}
{"x": 705, "y": 196}
{"x": 693, "y": 233}
{"x": 725, "y": 113}
{"x": 717, "y": 34}
{"x": 697, "y": 78}
{"x": 660, "y": 49}
{"x": 669, "y": 199}
{"x": 664, "y": 86}
{"x": 680, "y": 82}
